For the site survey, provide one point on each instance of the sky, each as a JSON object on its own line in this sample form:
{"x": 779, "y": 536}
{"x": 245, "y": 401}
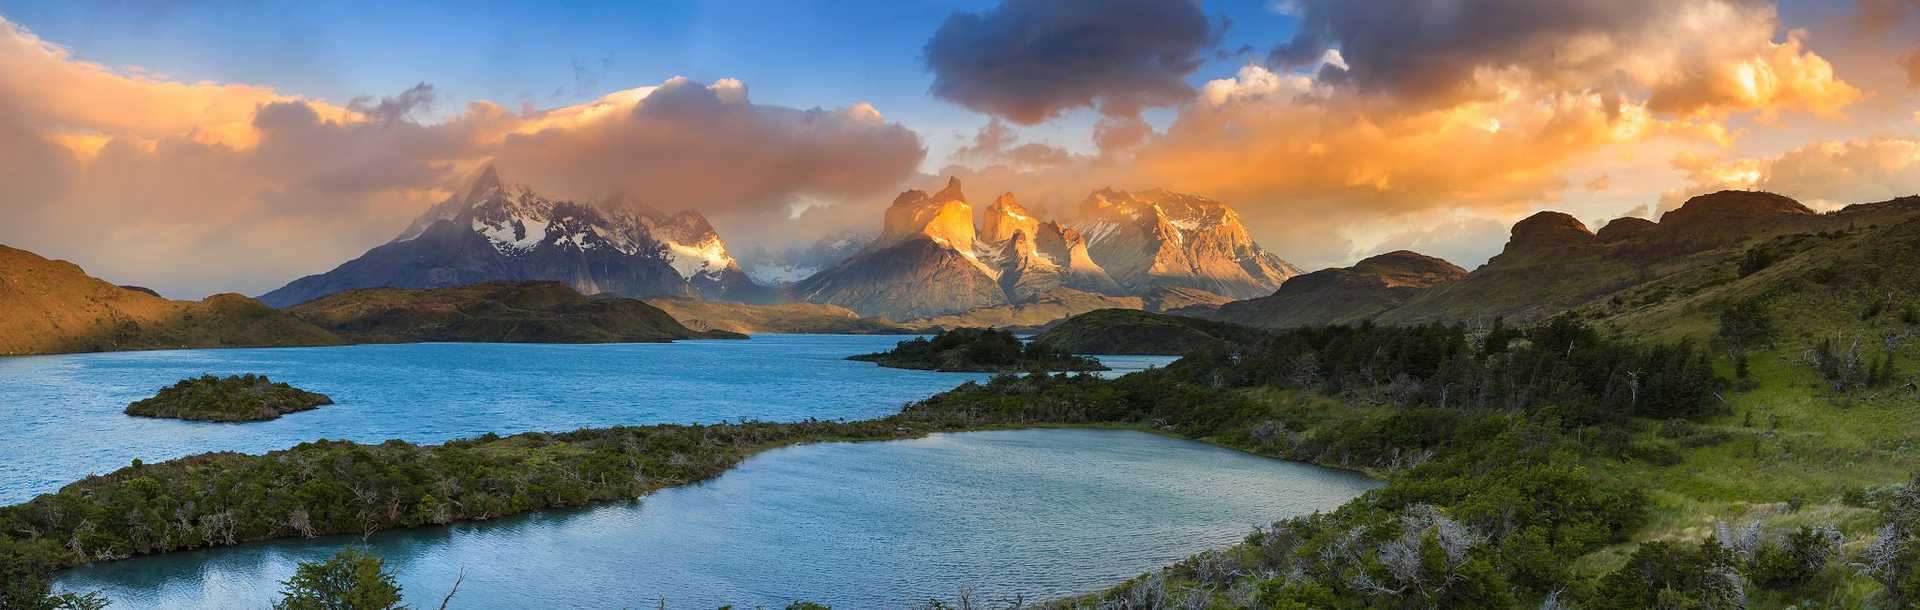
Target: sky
{"x": 234, "y": 146}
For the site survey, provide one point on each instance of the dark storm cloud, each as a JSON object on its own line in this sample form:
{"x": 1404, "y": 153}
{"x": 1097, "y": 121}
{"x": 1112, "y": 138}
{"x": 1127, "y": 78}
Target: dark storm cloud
{"x": 1029, "y": 60}
{"x": 1431, "y": 48}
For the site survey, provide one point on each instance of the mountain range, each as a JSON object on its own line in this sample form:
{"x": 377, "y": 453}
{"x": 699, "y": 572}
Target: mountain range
{"x": 940, "y": 262}
{"x": 495, "y": 232}
{"x": 935, "y": 260}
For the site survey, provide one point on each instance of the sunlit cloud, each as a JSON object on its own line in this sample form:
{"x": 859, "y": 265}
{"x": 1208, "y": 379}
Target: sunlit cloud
{"x": 202, "y": 187}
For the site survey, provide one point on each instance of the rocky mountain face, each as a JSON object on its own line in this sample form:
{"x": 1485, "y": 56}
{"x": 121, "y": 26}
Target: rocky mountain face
{"x": 52, "y": 306}
{"x": 924, "y": 263}
{"x": 933, "y": 265}
{"x": 1161, "y": 238}
{"x": 496, "y": 232}
{"x": 1342, "y": 295}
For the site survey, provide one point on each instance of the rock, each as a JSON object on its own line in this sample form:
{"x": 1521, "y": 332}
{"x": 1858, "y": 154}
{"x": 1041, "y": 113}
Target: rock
{"x": 1624, "y": 227}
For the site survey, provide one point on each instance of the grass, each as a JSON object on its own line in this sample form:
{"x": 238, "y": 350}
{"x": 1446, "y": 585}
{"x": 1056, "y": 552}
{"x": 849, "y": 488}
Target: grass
{"x": 1793, "y": 454}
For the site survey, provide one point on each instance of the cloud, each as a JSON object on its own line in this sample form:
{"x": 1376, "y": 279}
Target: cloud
{"x": 1115, "y": 134}
{"x": 1912, "y": 64}
{"x": 416, "y": 98}
{"x": 1384, "y": 113}
{"x": 997, "y": 143}
{"x": 1269, "y": 137}
{"x": 709, "y": 148}
{"x": 1027, "y": 61}
{"x": 195, "y": 188}
{"x": 1696, "y": 57}
{"x": 1823, "y": 175}
{"x": 1467, "y": 242}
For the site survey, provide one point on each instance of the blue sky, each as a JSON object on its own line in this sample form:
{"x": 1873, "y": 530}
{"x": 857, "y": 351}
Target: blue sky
{"x": 799, "y": 53}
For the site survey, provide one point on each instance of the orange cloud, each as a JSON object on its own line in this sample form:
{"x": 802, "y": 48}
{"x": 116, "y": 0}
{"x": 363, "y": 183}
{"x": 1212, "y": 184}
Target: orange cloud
{"x": 87, "y": 101}
{"x": 202, "y": 187}
{"x": 1382, "y": 113}
{"x": 1824, "y": 175}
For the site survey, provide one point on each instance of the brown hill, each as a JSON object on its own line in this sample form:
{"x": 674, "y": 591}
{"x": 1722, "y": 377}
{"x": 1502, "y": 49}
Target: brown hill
{"x": 1348, "y": 294}
{"x": 1552, "y": 264}
{"x": 52, "y": 306}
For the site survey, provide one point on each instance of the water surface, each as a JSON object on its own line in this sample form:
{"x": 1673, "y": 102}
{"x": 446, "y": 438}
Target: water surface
{"x": 1030, "y": 513}
{"x": 61, "y": 416}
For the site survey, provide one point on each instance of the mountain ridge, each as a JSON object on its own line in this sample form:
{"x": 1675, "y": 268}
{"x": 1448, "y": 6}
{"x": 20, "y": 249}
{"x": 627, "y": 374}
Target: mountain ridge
{"x": 933, "y": 265}
{"x": 497, "y": 232}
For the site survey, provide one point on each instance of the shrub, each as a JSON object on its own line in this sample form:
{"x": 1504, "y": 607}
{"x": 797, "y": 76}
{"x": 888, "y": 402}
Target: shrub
{"x": 350, "y": 580}
{"x": 1746, "y": 325}
{"x": 1796, "y": 559}
{"x": 1754, "y": 260}
{"x": 1673, "y": 575}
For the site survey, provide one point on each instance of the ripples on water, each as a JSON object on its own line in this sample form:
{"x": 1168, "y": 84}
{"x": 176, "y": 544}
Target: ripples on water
{"x": 1034, "y": 513}
{"x": 62, "y": 414}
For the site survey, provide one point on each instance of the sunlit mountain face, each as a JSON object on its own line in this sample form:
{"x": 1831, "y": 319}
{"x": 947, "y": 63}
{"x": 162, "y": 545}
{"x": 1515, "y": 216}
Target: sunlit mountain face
{"x": 193, "y": 147}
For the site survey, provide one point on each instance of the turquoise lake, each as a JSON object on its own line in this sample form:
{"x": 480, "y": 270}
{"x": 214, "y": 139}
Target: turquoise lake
{"x": 1034, "y": 513}
{"x": 63, "y": 417}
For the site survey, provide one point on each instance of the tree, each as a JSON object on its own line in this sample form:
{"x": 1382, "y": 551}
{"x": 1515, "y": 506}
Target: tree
{"x": 351, "y": 580}
{"x": 1746, "y": 325}
{"x": 24, "y": 585}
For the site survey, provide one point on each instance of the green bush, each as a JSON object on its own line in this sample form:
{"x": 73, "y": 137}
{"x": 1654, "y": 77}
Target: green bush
{"x": 1674, "y": 576}
{"x": 350, "y": 580}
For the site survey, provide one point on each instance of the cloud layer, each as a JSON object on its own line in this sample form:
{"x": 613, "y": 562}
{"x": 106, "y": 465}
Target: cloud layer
{"x": 1459, "y": 114}
{"x": 1823, "y": 175}
{"x": 204, "y": 187}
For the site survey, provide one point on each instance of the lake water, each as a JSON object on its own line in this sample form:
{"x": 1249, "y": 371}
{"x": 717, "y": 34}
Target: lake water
{"x": 1032, "y": 513}
{"x": 61, "y": 416}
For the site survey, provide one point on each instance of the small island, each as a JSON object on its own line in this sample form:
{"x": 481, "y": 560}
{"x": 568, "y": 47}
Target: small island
{"x": 979, "y": 350}
{"x": 235, "y": 398}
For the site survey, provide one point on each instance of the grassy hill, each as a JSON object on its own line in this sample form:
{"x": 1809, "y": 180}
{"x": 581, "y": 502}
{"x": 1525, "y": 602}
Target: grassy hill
{"x": 513, "y": 312}
{"x": 52, "y": 306}
{"x": 1337, "y": 296}
{"x": 1129, "y": 331}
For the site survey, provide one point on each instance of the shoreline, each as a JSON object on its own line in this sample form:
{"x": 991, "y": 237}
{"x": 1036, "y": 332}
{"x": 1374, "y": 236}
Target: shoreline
{"x": 904, "y": 425}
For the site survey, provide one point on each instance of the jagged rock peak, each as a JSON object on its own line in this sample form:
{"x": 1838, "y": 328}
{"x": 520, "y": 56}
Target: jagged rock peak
{"x": 951, "y": 193}
{"x": 1733, "y": 207}
{"x": 1624, "y": 227}
{"x": 1006, "y": 218}
{"x": 943, "y": 217}
{"x": 1547, "y": 231}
